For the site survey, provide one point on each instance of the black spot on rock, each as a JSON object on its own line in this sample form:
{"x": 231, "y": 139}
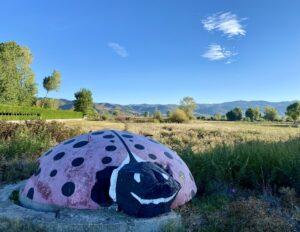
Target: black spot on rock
{"x": 152, "y": 156}
{"x": 68, "y": 189}
{"x": 58, "y": 156}
{"x": 48, "y": 152}
{"x": 100, "y": 191}
{"x": 110, "y": 148}
{"x": 77, "y": 162}
{"x": 108, "y": 136}
{"x": 127, "y": 136}
{"x": 69, "y": 141}
{"x": 130, "y": 140}
{"x": 37, "y": 172}
{"x": 80, "y": 144}
{"x": 53, "y": 173}
{"x": 139, "y": 146}
{"x": 112, "y": 141}
{"x": 30, "y": 193}
{"x": 98, "y": 133}
{"x": 169, "y": 155}
{"x": 106, "y": 160}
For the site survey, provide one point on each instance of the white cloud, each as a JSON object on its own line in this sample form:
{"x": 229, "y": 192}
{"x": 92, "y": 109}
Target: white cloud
{"x": 121, "y": 51}
{"x": 227, "y": 23}
{"x": 216, "y": 52}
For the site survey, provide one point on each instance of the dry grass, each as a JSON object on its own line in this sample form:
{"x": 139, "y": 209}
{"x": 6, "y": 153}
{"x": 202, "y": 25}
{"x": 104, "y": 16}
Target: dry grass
{"x": 200, "y": 135}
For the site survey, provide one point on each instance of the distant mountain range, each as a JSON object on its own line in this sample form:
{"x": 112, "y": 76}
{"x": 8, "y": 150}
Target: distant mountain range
{"x": 202, "y": 109}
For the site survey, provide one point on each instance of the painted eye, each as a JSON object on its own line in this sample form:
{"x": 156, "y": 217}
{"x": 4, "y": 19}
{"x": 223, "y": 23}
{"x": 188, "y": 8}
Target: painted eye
{"x": 165, "y": 176}
{"x": 137, "y": 177}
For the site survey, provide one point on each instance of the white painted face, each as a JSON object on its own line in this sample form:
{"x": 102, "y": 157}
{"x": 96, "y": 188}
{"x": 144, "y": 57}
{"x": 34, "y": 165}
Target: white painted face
{"x": 140, "y": 184}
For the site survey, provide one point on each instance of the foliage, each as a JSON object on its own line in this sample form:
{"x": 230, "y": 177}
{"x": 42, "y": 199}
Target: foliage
{"x": 117, "y": 111}
{"x": 52, "y": 82}
{"x": 84, "y": 101}
{"x": 234, "y": 115}
{"x": 271, "y": 114}
{"x": 293, "y": 111}
{"x": 27, "y": 113}
{"x": 253, "y": 114}
{"x": 179, "y": 116}
{"x": 146, "y": 114}
{"x": 17, "y": 84}
{"x": 188, "y": 105}
{"x": 92, "y": 114}
{"x": 48, "y": 103}
{"x": 158, "y": 116}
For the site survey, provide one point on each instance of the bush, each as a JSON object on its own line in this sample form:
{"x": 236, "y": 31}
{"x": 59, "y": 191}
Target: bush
{"x": 178, "y": 116}
{"x": 48, "y": 103}
{"x": 234, "y": 115}
{"x": 8, "y": 112}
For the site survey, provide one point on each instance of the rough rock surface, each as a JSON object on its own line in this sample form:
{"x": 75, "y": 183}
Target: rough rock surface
{"x": 74, "y": 220}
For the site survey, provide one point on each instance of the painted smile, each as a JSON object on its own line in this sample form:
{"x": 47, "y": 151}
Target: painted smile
{"x": 153, "y": 201}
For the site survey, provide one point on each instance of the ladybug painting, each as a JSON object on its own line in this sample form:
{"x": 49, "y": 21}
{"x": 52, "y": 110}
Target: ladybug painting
{"x": 143, "y": 177}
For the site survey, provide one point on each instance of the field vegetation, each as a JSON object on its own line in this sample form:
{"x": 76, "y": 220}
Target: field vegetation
{"x": 247, "y": 174}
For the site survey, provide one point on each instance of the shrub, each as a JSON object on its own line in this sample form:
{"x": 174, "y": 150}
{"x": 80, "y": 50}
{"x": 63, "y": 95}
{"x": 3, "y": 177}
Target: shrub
{"x": 48, "y": 103}
{"x": 271, "y": 114}
{"x": 179, "y": 116}
{"x": 157, "y": 116}
{"x": 234, "y": 115}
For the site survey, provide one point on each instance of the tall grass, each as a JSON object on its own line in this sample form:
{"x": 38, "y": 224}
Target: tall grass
{"x": 255, "y": 165}
{"x": 22, "y": 144}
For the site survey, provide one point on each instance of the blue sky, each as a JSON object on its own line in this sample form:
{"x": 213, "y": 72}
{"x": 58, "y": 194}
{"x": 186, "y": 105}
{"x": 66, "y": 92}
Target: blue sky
{"x": 157, "y": 51}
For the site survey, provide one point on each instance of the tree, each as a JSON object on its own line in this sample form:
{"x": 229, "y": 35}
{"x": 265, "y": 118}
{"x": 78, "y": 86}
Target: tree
{"x": 253, "y": 113}
{"x": 117, "y": 111}
{"x": 146, "y": 114}
{"x": 17, "y": 83}
{"x": 84, "y": 101}
{"x": 235, "y": 115}
{"x": 293, "y": 111}
{"x": 271, "y": 114}
{"x": 52, "y": 82}
{"x": 158, "y": 116}
{"x": 188, "y": 105}
{"x": 217, "y": 117}
{"x": 179, "y": 116}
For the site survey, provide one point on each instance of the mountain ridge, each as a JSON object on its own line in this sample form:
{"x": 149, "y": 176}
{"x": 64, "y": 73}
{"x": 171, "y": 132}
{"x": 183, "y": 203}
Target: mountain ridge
{"x": 202, "y": 109}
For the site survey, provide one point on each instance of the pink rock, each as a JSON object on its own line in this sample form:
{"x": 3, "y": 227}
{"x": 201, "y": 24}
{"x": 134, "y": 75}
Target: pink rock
{"x": 67, "y": 172}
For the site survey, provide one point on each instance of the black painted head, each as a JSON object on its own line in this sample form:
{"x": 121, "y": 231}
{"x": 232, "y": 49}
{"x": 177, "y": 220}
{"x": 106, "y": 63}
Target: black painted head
{"x": 143, "y": 189}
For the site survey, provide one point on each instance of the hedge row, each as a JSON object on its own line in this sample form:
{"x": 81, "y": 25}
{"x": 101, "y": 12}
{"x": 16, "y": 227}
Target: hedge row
{"x": 8, "y": 112}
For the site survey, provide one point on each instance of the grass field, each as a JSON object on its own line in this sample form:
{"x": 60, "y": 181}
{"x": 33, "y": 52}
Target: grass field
{"x": 247, "y": 174}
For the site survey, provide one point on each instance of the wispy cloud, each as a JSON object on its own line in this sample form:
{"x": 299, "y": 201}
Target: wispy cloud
{"x": 217, "y": 52}
{"x": 118, "y": 49}
{"x": 227, "y": 23}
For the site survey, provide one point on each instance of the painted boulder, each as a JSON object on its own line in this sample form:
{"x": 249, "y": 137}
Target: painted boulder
{"x": 144, "y": 177}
